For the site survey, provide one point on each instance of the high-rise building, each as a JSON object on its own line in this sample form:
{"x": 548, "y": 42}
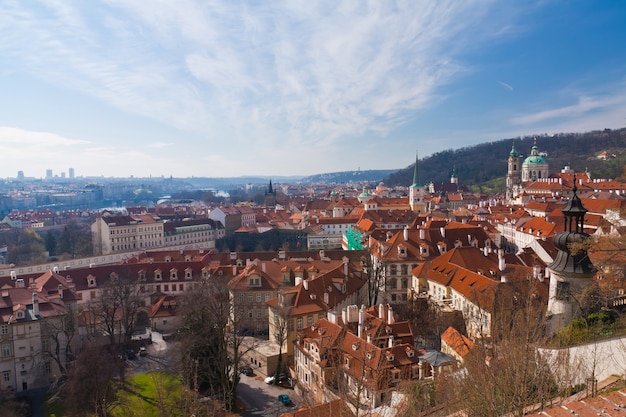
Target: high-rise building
{"x": 20, "y": 175}
{"x": 72, "y": 173}
{"x": 48, "y": 174}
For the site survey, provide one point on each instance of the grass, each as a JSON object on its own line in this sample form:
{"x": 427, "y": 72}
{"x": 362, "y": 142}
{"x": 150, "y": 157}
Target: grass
{"x": 148, "y": 395}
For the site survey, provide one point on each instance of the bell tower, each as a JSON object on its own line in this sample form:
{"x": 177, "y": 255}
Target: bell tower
{"x": 513, "y": 175}
{"x": 417, "y": 191}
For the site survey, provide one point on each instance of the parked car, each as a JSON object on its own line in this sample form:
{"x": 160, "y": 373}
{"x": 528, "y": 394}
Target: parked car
{"x": 285, "y": 400}
{"x": 286, "y": 382}
{"x": 246, "y": 370}
{"x": 130, "y": 354}
{"x": 143, "y": 351}
{"x": 269, "y": 380}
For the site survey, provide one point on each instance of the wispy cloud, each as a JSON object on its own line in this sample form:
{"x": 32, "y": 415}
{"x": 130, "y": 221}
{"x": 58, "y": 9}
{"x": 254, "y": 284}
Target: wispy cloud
{"x": 505, "y": 85}
{"x": 298, "y": 71}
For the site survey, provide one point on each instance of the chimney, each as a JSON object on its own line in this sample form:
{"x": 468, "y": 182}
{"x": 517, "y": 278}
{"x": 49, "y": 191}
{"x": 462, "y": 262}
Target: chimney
{"x": 406, "y": 234}
{"x": 362, "y": 315}
{"x": 326, "y": 298}
{"x": 234, "y": 269}
{"x": 442, "y": 230}
{"x": 501, "y": 262}
{"x": 381, "y": 311}
{"x": 390, "y": 317}
{"x": 369, "y": 338}
{"x": 391, "y": 341}
{"x": 263, "y": 267}
{"x": 35, "y": 304}
{"x": 60, "y": 290}
{"x": 345, "y": 266}
{"x": 298, "y": 280}
{"x": 305, "y": 284}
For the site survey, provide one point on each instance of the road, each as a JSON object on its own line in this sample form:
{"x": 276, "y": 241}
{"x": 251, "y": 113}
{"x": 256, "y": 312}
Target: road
{"x": 259, "y": 399}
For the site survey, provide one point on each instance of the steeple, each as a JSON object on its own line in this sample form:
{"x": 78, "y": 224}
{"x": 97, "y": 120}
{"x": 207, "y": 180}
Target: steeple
{"x": 270, "y": 190}
{"x": 417, "y": 191}
{"x": 416, "y": 176}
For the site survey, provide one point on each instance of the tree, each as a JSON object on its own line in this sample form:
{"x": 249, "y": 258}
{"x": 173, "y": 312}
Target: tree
{"x": 506, "y": 374}
{"x": 281, "y": 319}
{"x": 375, "y": 270}
{"x": 60, "y": 334}
{"x": 26, "y": 248}
{"x": 211, "y": 343}
{"x": 89, "y": 388}
{"x": 75, "y": 241}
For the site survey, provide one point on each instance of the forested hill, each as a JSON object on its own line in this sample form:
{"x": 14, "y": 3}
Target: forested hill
{"x": 486, "y": 164}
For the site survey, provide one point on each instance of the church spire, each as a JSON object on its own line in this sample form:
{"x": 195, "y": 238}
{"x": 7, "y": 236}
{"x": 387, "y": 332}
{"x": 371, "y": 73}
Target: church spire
{"x": 416, "y": 177}
{"x": 270, "y": 190}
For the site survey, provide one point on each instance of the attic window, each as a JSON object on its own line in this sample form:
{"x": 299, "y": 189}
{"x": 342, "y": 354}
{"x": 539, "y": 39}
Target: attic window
{"x": 254, "y": 282}
{"x": 395, "y": 374}
{"x": 390, "y": 356}
{"x": 369, "y": 355}
{"x": 20, "y": 314}
{"x": 174, "y": 274}
{"x": 410, "y": 352}
{"x": 157, "y": 275}
{"x": 168, "y": 259}
{"x": 188, "y": 274}
{"x": 142, "y": 275}
{"x": 356, "y": 346}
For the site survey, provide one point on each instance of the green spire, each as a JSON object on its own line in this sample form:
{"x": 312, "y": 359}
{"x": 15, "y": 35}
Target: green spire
{"x": 513, "y": 151}
{"x": 416, "y": 177}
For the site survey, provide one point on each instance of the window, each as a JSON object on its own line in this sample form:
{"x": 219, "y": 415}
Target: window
{"x": 249, "y": 314}
{"x": 562, "y": 291}
{"x": 309, "y": 320}
{"x": 250, "y": 298}
{"x": 5, "y": 329}
{"x": 6, "y": 376}
{"x": 259, "y": 314}
{"x": 44, "y": 345}
{"x": 6, "y": 350}
{"x": 47, "y": 367}
{"x": 258, "y": 298}
{"x": 267, "y": 296}
{"x": 299, "y": 324}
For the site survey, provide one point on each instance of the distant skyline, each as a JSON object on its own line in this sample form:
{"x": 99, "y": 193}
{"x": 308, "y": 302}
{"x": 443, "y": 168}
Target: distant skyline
{"x": 292, "y": 88}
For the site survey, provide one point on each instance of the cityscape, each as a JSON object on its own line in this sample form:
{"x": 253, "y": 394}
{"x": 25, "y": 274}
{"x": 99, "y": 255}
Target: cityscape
{"x": 296, "y": 209}
{"x": 339, "y": 296}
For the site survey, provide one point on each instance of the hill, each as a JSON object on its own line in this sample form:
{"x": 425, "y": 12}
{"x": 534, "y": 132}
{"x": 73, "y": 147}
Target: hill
{"x": 346, "y": 177}
{"x": 485, "y": 165}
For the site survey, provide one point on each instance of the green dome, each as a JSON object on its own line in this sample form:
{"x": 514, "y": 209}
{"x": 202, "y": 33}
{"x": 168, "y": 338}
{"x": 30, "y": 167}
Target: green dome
{"x": 513, "y": 153}
{"x": 535, "y": 160}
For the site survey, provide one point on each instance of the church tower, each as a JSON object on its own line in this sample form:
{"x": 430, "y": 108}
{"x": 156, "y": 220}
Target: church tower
{"x": 513, "y": 175}
{"x": 270, "y": 196}
{"x": 454, "y": 179}
{"x": 417, "y": 191}
{"x": 571, "y": 270}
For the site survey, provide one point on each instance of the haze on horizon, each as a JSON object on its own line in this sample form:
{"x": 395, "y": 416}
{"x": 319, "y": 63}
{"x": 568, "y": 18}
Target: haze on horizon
{"x": 284, "y": 88}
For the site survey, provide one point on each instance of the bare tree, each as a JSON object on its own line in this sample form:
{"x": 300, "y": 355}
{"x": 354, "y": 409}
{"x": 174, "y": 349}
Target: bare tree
{"x": 375, "y": 270}
{"x": 506, "y": 374}
{"x": 89, "y": 387}
{"x": 59, "y": 335}
{"x": 211, "y": 345}
{"x": 281, "y": 320}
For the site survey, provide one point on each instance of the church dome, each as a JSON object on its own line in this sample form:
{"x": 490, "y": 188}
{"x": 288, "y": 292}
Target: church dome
{"x": 534, "y": 158}
{"x": 513, "y": 152}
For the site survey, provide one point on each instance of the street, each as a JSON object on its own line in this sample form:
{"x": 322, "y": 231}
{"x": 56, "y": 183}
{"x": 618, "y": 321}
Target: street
{"x": 260, "y": 399}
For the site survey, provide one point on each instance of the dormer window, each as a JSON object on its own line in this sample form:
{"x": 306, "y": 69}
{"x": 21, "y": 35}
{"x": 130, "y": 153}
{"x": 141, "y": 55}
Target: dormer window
{"x": 390, "y": 357}
{"x": 174, "y": 274}
{"x": 188, "y": 258}
{"x": 410, "y": 352}
{"x": 19, "y": 315}
{"x": 91, "y": 281}
{"x": 142, "y": 275}
{"x": 157, "y": 275}
{"x": 355, "y": 346}
{"x": 188, "y": 273}
{"x": 168, "y": 259}
{"x": 254, "y": 281}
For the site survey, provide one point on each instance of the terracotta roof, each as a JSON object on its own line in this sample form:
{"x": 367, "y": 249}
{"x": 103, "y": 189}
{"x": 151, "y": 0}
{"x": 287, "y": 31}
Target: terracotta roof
{"x": 456, "y": 341}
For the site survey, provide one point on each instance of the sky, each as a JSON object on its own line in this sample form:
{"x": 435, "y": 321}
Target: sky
{"x": 227, "y": 88}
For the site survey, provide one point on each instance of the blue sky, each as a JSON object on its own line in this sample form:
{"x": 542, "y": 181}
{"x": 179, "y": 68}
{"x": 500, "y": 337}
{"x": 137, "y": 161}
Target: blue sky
{"x": 271, "y": 88}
